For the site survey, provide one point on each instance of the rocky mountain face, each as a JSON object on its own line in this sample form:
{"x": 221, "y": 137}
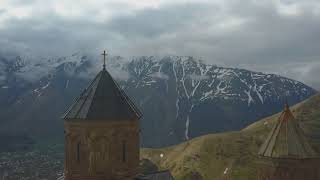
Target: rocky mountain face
{"x": 180, "y": 97}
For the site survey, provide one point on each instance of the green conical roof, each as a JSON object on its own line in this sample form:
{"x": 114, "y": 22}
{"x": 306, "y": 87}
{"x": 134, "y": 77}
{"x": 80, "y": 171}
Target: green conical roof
{"x": 287, "y": 140}
{"x": 103, "y": 99}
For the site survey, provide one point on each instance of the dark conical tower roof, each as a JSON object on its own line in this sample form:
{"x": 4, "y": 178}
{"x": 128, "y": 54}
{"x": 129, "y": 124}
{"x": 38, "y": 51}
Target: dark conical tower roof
{"x": 287, "y": 140}
{"x": 103, "y": 99}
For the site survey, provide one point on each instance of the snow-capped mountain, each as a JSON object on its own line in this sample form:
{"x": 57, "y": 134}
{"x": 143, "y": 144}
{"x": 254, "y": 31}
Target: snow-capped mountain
{"x": 180, "y": 97}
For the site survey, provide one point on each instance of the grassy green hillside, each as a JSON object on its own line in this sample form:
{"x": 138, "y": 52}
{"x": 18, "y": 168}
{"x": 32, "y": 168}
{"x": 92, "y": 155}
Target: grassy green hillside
{"x": 232, "y": 154}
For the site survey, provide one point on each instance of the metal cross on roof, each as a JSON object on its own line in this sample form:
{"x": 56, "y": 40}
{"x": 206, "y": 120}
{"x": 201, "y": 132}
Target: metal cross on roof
{"x": 104, "y": 59}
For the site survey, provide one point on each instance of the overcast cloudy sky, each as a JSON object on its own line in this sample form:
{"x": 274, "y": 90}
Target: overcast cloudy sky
{"x": 277, "y": 36}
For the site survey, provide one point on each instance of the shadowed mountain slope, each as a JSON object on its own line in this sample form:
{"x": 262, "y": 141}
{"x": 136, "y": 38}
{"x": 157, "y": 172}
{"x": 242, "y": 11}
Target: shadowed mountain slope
{"x": 180, "y": 97}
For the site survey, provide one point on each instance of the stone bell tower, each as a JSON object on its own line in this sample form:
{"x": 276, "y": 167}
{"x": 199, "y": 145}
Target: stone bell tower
{"x": 286, "y": 153}
{"x": 102, "y": 133}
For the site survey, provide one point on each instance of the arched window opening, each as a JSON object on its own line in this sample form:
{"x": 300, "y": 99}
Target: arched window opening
{"x": 78, "y": 152}
{"x": 124, "y": 153}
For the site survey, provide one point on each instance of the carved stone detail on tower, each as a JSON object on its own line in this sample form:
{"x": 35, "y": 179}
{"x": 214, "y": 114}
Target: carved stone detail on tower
{"x": 98, "y": 152}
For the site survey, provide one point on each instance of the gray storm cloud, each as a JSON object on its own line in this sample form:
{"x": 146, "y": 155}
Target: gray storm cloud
{"x": 268, "y": 35}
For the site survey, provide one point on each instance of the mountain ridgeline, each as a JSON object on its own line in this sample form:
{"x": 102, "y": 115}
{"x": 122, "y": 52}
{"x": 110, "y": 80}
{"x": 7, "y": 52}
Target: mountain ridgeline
{"x": 180, "y": 97}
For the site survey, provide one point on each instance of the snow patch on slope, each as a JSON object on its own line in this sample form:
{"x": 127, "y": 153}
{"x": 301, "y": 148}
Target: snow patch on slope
{"x": 250, "y": 99}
